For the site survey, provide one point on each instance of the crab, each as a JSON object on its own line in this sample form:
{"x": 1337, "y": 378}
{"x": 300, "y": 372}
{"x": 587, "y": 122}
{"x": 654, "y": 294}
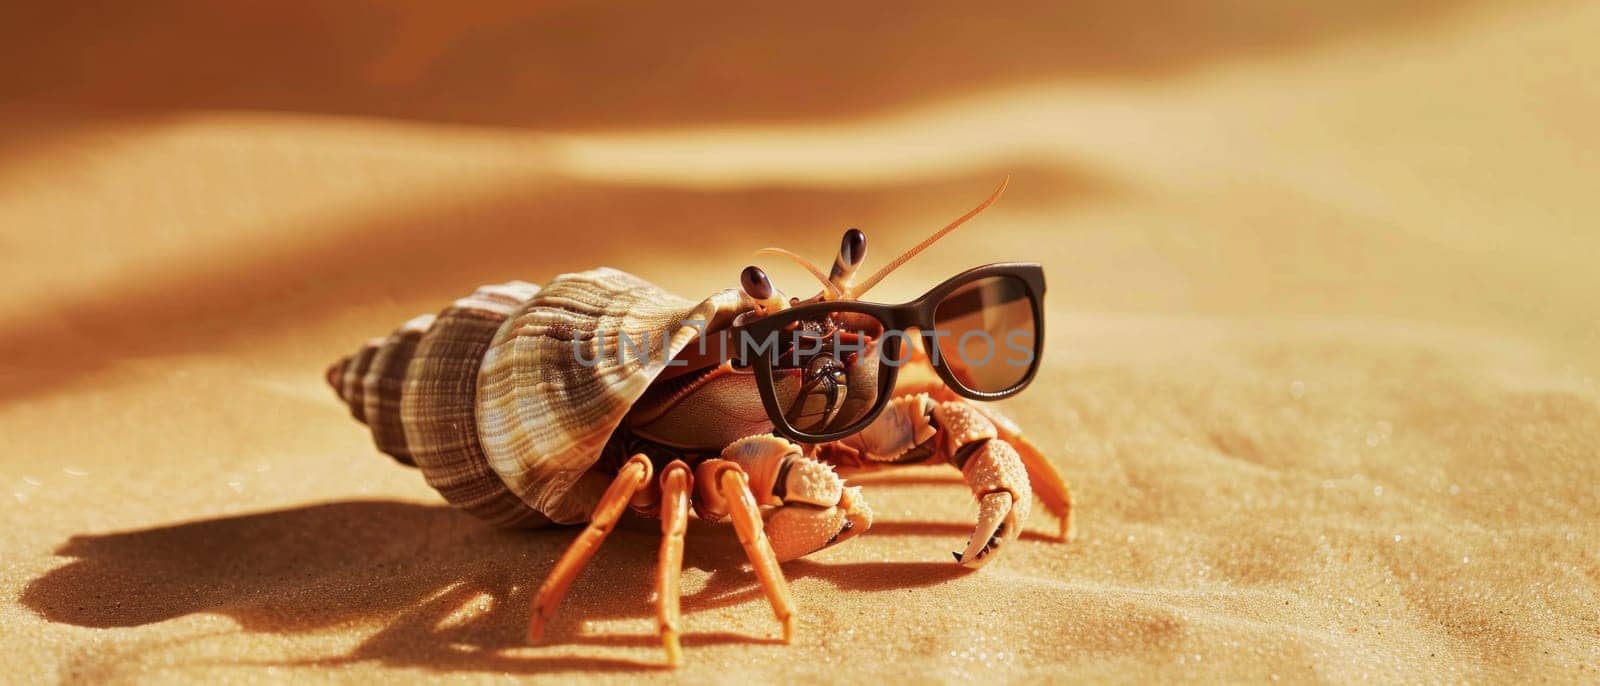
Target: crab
{"x": 600, "y": 393}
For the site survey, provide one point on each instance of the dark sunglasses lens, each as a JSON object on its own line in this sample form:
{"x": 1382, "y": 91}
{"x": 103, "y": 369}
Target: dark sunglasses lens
{"x": 987, "y": 335}
{"x": 825, "y": 371}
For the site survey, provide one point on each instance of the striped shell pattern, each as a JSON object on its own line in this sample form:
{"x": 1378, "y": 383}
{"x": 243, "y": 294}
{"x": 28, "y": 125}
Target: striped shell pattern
{"x": 505, "y": 398}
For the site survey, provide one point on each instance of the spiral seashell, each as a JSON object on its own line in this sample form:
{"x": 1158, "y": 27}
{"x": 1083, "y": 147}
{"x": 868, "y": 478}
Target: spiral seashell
{"x": 346, "y": 374}
{"x": 382, "y": 384}
{"x": 544, "y": 416}
{"x": 438, "y": 406}
{"x": 506, "y": 398}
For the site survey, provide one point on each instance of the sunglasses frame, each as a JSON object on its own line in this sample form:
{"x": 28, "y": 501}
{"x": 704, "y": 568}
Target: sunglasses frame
{"x": 918, "y": 314}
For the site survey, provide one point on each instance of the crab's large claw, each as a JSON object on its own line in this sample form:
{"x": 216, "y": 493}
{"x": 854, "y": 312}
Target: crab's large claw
{"x": 807, "y": 505}
{"x": 916, "y": 428}
{"x": 993, "y": 471}
{"x": 917, "y": 376}
{"x": 799, "y": 530}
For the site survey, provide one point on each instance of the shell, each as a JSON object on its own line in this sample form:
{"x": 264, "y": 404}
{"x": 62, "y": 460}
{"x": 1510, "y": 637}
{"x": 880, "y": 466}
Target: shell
{"x": 438, "y": 405}
{"x": 382, "y": 388}
{"x": 489, "y": 398}
{"x": 346, "y": 375}
{"x": 543, "y": 416}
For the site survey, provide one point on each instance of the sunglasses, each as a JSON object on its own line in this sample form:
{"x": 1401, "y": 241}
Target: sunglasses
{"x": 827, "y": 369}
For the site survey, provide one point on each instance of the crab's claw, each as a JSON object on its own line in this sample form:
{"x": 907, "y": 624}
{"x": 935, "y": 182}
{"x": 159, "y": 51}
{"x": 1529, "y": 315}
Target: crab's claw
{"x": 798, "y": 530}
{"x": 993, "y": 471}
{"x": 806, "y": 505}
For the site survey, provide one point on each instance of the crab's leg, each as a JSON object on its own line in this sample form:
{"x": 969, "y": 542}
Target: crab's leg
{"x": 633, "y": 476}
{"x": 723, "y": 487}
{"x": 676, "y": 481}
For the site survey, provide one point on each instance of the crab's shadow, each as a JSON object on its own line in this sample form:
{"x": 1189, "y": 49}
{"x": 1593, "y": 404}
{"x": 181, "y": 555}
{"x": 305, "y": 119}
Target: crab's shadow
{"x": 412, "y": 568}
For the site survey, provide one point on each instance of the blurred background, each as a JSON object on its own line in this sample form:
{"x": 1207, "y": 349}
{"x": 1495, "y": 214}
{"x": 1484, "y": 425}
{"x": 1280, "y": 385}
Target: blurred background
{"x": 203, "y": 204}
{"x": 171, "y": 169}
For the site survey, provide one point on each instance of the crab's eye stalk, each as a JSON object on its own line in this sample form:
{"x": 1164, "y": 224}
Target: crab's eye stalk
{"x": 755, "y": 283}
{"x": 852, "y": 251}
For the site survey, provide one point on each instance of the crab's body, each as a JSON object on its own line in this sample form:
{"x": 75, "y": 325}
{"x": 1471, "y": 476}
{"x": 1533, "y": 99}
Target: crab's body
{"x": 525, "y": 406}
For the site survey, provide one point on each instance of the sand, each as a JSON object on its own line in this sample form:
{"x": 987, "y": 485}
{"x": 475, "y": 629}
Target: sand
{"x": 1321, "y": 362}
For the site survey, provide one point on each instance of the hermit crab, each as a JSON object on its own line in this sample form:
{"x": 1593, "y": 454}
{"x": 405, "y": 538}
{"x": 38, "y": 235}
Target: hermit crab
{"x": 600, "y": 392}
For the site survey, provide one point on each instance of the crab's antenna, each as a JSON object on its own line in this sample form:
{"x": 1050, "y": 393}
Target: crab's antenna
{"x": 873, "y": 280}
{"x": 823, "y": 278}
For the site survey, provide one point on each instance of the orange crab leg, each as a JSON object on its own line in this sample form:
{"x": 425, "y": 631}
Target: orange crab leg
{"x": 731, "y": 487}
{"x": 675, "y": 485}
{"x": 635, "y": 473}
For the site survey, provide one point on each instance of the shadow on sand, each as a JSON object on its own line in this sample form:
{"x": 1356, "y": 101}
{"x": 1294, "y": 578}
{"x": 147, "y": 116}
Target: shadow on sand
{"x": 417, "y": 569}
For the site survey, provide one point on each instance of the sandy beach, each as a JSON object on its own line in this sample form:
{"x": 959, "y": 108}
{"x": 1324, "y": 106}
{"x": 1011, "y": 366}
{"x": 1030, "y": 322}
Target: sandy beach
{"x": 1321, "y": 362}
